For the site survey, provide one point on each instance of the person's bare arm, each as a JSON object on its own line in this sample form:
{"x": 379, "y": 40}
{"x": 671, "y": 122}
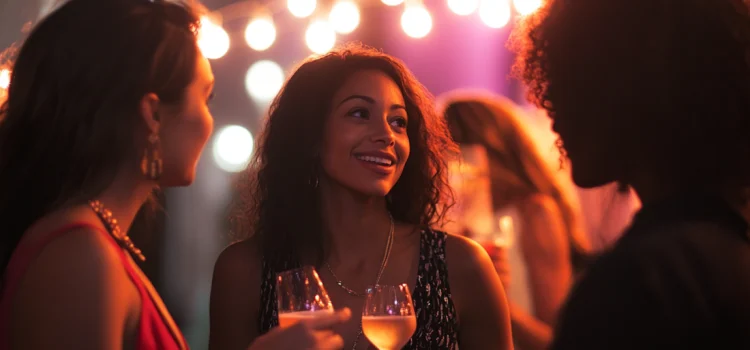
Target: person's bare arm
{"x": 235, "y": 297}
{"x": 529, "y": 332}
{"x": 75, "y": 295}
{"x": 482, "y": 307}
{"x": 546, "y": 250}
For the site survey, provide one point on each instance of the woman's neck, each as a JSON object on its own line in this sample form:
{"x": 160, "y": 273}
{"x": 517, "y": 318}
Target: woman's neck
{"x": 355, "y": 226}
{"x": 125, "y": 197}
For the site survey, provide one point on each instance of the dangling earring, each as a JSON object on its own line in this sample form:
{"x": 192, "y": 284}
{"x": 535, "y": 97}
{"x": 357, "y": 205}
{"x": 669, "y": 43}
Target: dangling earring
{"x": 151, "y": 164}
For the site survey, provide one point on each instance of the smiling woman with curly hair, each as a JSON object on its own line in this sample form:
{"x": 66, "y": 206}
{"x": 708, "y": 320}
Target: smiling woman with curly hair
{"x": 348, "y": 177}
{"x": 655, "y": 94}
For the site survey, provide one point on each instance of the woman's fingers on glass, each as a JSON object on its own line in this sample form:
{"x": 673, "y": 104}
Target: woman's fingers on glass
{"x": 330, "y": 320}
{"x": 329, "y": 340}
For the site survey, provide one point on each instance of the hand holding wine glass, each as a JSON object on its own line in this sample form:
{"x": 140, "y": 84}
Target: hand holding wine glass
{"x": 312, "y": 333}
{"x": 388, "y": 318}
{"x": 306, "y": 314}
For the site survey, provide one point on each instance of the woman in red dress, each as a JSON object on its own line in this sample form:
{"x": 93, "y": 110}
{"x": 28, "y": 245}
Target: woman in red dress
{"x": 108, "y": 100}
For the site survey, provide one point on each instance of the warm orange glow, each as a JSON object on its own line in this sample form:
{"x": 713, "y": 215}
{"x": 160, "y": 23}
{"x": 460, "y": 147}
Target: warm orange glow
{"x": 4, "y": 78}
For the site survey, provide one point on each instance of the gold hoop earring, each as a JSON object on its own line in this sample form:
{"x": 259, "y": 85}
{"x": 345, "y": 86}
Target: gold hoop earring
{"x": 151, "y": 164}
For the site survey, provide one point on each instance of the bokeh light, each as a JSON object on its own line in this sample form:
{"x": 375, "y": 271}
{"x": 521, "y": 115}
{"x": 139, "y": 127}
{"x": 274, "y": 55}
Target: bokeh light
{"x": 213, "y": 40}
{"x": 233, "y": 147}
{"x": 526, "y": 7}
{"x": 260, "y": 33}
{"x": 494, "y": 13}
{"x": 344, "y": 16}
{"x": 263, "y": 80}
{"x": 301, "y": 8}
{"x": 392, "y": 2}
{"x": 416, "y": 21}
{"x": 4, "y": 78}
{"x": 463, "y": 7}
{"x": 320, "y": 37}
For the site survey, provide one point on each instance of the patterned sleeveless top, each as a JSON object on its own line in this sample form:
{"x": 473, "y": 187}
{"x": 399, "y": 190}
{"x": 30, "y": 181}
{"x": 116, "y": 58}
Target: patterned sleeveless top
{"x": 437, "y": 325}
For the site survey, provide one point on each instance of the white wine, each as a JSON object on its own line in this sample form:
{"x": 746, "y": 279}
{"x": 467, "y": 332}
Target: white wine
{"x": 288, "y": 319}
{"x": 389, "y": 332}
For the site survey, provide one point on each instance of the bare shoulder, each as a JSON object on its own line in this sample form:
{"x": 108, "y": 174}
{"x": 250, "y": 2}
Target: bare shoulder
{"x": 464, "y": 253}
{"x": 92, "y": 293}
{"x": 241, "y": 260}
{"x": 235, "y": 296}
{"x": 83, "y": 259}
{"x": 468, "y": 265}
{"x": 478, "y": 295}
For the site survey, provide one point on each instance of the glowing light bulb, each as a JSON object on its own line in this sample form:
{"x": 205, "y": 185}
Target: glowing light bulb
{"x": 494, "y": 13}
{"x": 263, "y": 80}
{"x": 416, "y": 21}
{"x": 320, "y": 37}
{"x": 344, "y": 16}
{"x": 392, "y": 2}
{"x": 4, "y": 78}
{"x": 233, "y": 147}
{"x": 526, "y": 7}
{"x": 463, "y": 7}
{"x": 213, "y": 40}
{"x": 260, "y": 34}
{"x": 301, "y": 8}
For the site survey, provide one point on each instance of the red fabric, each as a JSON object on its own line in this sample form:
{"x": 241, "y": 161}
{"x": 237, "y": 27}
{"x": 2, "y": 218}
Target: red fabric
{"x": 153, "y": 332}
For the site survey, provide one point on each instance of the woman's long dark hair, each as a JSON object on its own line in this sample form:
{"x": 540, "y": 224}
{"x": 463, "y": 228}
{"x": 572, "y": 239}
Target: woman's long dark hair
{"x": 517, "y": 170}
{"x": 72, "y": 113}
{"x": 281, "y": 203}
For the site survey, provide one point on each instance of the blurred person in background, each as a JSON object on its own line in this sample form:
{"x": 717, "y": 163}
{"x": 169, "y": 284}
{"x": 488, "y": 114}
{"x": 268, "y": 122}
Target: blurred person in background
{"x": 108, "y": 101}
{"x": 654, "y": 94}
{"x": 352, "y": 158}
{"x": 548, "y": 247}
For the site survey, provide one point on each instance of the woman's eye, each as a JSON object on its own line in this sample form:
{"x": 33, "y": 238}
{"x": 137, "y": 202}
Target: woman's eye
{"x": 360, "y": 113}
{"x": 399, "y": 122}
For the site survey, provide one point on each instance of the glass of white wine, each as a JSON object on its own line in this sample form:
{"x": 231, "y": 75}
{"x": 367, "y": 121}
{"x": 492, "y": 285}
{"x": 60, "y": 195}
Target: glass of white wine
{"x": 388, "y": 318}
{"x": 301, "y": 296}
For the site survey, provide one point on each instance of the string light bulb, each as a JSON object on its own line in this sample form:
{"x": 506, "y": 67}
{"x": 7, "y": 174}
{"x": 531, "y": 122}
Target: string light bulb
{"x": 494, "y": 13}
{"x": 213, "y": 40}
{"x": 320, "y": 37}
{"x": 463, "y": 7}
{"x": 392, "y": 2}
{"x": 416, "y": 21}
{"x": 260, "y": 34}
{"x": 526, "y": 7}
{"x": 344, "y": 16}
{"x": 301, "y": 8}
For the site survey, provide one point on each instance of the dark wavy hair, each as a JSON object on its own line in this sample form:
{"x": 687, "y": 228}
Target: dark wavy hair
{"x": 72, "y": 110}
{"x": 279, "y": 201}
{"x": 669, "y": 81}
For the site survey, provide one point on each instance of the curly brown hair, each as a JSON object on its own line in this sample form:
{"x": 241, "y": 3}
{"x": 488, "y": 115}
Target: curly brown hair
{"x": 278, "y": 202}
{"x": 665, "y": 82}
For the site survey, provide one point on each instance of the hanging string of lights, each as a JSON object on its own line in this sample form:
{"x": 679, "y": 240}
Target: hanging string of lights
{"x": 341, "y": 17}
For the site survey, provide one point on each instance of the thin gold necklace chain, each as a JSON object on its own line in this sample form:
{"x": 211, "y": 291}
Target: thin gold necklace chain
{"x": 386, "y": 256}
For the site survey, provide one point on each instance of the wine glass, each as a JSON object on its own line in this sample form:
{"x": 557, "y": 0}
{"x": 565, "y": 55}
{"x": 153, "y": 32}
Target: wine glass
{"x": 388, "y": 319}
{"x": 301, "y": 296}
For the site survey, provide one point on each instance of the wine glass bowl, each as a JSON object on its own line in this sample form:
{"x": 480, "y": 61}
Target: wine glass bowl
{"x": 388, "y": 318}
{"x": 301, "y": 295}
